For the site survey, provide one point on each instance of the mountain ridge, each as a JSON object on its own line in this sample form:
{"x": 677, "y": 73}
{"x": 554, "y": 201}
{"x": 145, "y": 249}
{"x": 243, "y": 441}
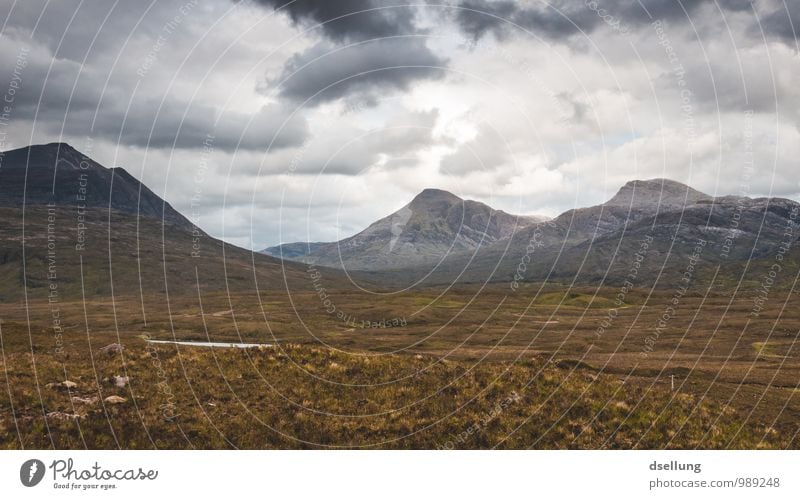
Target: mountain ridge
{"x": 437, "y": 238}
{"x": 599, "y": 244}
{"x": 656, "y": 192}
{"x": 433, "y": 224}
{"x": 596, "y": 244}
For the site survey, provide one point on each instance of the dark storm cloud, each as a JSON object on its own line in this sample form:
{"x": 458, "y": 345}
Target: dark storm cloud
{"x": 479, "y": 17}
{"x": 370, "y": 47}
{"x": 563, "y": 18}
{"x": 105, "y": 97}
{"x": 783, "y": 22}
{"x": 176, "y": 125}
{"x": 326, "y": 72}
{"x": 179, "y": 124}
{"x": 348, "y": 20}
{"x": 74, "y": 29}
{"x": 63, "y": 97}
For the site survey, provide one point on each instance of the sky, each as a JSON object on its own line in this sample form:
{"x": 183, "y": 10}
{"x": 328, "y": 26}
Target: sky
{"x": 267, "y": 121}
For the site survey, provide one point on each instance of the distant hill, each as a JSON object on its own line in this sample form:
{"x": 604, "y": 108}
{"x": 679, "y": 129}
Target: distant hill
{"x": 294, "y": 251}
{"x": 434, "y": 224}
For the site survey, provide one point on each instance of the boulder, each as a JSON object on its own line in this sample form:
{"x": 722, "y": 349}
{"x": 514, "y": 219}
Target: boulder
{"x": 64, "y": 385}
{"x": 63, "y": 416}
{"x": 120, "y": 381}
{"x": 112, "y": 348}
{"x": 84, "y": 400}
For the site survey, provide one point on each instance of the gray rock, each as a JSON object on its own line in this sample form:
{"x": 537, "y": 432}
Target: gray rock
{"x": 112, "y": 348}
{"x": 64, "y": 385}
{"x": 120, "y": 381}
{"x": 84, "y": 400}
{"x": 63, "y": 416}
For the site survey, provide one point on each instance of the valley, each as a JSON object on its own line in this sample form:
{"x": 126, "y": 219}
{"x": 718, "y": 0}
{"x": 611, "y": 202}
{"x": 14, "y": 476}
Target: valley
{"x": 712, "y": 359}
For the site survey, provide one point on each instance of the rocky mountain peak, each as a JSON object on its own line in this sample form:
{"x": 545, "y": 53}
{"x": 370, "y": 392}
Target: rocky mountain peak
{"x": 655, "y": 193}
{"x": 434, "y": 197}
{"x": 434, "y": 224}
{"x": 49, "y": 155}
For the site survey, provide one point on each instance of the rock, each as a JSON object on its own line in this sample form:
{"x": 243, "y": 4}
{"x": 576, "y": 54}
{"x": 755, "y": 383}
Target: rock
{"x": 112, "y": 348}
{"x": 63, "y": 416}
{"x": 84, "y": 400}
{"x": 64, "y": 385}
{"x": 120, "y": 381}
{"x": 115, "y": 399}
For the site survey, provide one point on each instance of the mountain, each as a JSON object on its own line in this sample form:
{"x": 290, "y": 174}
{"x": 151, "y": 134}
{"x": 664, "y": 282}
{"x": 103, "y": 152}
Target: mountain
{"x": 604, "y": 243}
{"x": 57, "y": 173}
{"x": 434, "y": 224}
{"x": 659, "y": 194}
{"x": 634, "y": 201}
{"x": 70, "y": 226}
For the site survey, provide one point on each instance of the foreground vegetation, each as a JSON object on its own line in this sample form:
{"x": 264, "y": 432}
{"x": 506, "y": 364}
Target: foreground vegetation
{"x": 296, "y": 396}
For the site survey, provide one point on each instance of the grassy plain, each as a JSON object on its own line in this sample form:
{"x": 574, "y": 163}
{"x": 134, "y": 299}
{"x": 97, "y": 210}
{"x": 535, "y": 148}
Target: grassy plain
{"x": 465, "y": 367}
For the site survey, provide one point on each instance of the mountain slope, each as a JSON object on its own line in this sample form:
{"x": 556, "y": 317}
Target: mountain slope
{"x": 634, "y": 201}
{"x": 57, "y": 173}
{"x": 115, "y": 242}
{"x": 604, "y": 243}
{"x": 433, "y": 225}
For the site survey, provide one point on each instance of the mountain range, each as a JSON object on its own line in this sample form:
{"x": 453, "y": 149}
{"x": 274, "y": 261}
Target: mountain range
{"x": 649, "y": 232}
{"x": 106, "y": 232}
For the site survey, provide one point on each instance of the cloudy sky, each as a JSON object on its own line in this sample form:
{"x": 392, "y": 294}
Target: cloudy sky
{"x": 272, "y": 121}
